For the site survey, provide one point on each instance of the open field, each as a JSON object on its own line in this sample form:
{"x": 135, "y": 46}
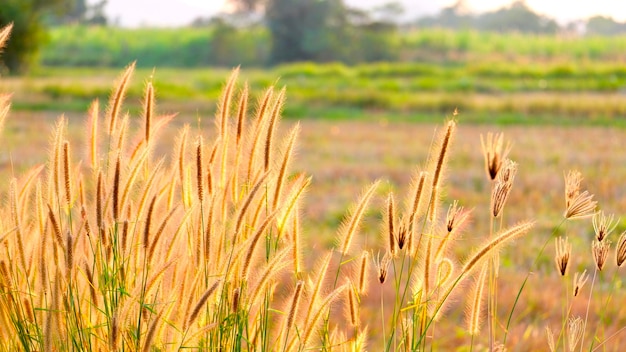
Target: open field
{"x": 556, "y": 94}
{"x": 196, "y": 47}
{"x": 345, "y": 156}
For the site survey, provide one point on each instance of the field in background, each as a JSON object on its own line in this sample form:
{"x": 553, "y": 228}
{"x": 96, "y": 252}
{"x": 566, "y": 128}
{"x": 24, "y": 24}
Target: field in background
{"x": 531, "y": 93}
{"x": 192, "y": 47}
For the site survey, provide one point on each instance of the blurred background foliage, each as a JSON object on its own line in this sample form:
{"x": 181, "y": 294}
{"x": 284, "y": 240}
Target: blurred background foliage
{"x": 261, "y": 33}
{"x": 510, "y": 64}
{"x": 33, "y": 18}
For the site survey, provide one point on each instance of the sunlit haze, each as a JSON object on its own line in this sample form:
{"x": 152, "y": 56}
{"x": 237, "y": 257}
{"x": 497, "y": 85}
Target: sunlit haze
{"x": 133, "y": 13}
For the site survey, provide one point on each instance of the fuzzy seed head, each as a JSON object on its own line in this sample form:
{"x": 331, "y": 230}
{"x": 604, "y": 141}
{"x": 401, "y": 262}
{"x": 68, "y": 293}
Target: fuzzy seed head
{"x": 497, "y": 242}
{"x": 476, "y": 304}
{"x": 494, "y": 151}
{"x": 199, "y": 169}
{"x": 236, "y": 298}
{"x": 575, "y": 329}
{"x": 578, "y": 204}
{"x": 363, "y": 273}
{"x": 196, "y": 310}
{"x": 563, "y": 252}
{"x": 579, "y": 282}
{"x": 572, "y": 186}
{"x": 352, "y": 307}
{"x": 446, "y": 140}
{"x": 550, "y": 337}
{"x": 390, "y": 224}
{"x": 117, "y": 97}
{"x": 600, "y": 252}
{"x": 5, "y": 32}
{"x": 382, "y": 266}
{"x": 502, "y": 187}
{"x": 293, "y": 310}
{"x": 148, "y": 109}
{"x": 603, "y": 225}
{"x": 620, "y": 250}
{"x": 403, "y": 235}
{"x": 456, "y": 216}
{"x": 66, "y": 173}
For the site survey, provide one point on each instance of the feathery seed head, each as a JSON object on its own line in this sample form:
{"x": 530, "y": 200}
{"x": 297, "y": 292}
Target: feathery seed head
{"x": 352, "y": 307}
{"x": 502, "y": 187}
{"x": 493, "y": 245}
{"x": 575, "y": 329}
{"x": 382, "y": 266}
{"x": 69, "y": 255}
{"x": 403, "y": 235}
{"x": 28, "y": 310}
{"x": 442, "y": 148}
{"x": 443, "y": 151}
{"x": 116, "y": 188}
{"x": 620, "y": 249}
{"x": 579, "y": 282}
{"x": 390, "y": 224}
{"x": 114, "y": 331}
{"x": 476, "y": 302}
{"x": 293, "y": 310}
{"x": 363, "y": 273}
{"x": 350, "y": 228}
{"x": 117, "y": 97}
{"x": 196, "y": 311}
{"x": 550, "y": 337}
{"x": 66, "y": 173}
{"x": 241, "y": 112}
{"x": 236, "y": 297}
{"x": 456, "y": 216}
{"x": 603, "y": 225}
{"x": 199, "y": 169}
{"x": 148, "y": 109}
{"x": 5, "y": 32}
{"x": 494, "y": 152}
{"x": 508, "y": 171}
{"x": 577, "y": 204}
{"x": 581, "y": 206}
{"x": 563, "y": 252}
{"x": 600, "y": 252}
{"x": 572, "y": 186}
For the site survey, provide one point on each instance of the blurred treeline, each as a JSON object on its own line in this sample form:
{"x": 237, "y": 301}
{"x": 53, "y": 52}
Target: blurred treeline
{"x": 33, "y": 18}
{"x": 259, "y": 33}
{"x": 251, "y": 47}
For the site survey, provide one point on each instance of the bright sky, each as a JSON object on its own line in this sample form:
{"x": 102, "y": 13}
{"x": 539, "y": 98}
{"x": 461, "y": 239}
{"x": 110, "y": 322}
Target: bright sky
{"x": 135, "y": 13}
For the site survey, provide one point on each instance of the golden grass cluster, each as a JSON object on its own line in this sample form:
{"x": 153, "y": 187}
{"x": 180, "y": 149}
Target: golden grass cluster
{"x": 201, "y": 248}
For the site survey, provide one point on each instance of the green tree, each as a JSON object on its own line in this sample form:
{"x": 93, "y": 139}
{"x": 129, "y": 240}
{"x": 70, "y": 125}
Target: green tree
{"x": 303, "y": 30}
{"x": 600, "y": 25}
{"x": 79, "y": 11}
{"x": 28, "y": 18}
{"x": 518, "y": 17}
{"x": 325, "y": 30}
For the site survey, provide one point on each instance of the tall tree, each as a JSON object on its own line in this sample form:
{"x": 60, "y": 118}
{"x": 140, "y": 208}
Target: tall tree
{"x": 29, "y": 32}
{"x": 79, "y": 11}
{"x": 303, "y": 29}
{"x": 601, "y": 25}
{"x": 518, "y": 17}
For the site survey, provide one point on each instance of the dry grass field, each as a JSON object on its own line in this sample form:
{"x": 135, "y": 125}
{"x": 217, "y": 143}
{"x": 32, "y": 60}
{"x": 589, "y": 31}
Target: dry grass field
{"x": 344, "y": 156}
